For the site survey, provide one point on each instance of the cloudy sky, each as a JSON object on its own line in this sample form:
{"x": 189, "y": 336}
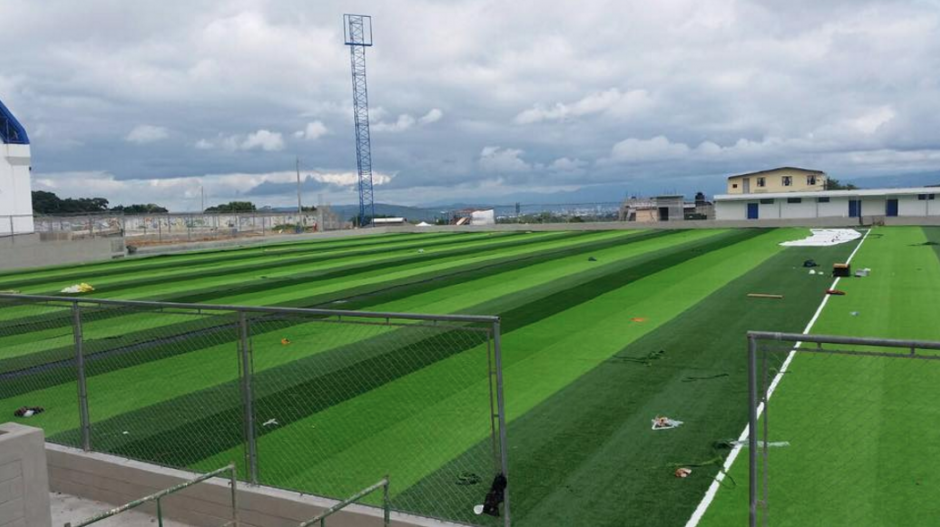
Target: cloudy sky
{"x": 472, "y": 100}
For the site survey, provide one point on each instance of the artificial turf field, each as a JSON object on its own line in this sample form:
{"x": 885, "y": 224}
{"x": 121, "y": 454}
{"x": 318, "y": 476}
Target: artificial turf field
{"x": 601, "y": 331}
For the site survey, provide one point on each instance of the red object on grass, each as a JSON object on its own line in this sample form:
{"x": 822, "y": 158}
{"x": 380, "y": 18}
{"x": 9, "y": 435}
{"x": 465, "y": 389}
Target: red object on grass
{"x": 835, "y": 292}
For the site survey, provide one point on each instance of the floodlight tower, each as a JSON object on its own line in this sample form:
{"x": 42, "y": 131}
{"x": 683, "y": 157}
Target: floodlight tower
{"x": 358, "y": 33}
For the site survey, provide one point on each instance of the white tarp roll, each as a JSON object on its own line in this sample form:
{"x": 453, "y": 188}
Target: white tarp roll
{"x": 825, "y": 238}
{"x": 483, "y": 217}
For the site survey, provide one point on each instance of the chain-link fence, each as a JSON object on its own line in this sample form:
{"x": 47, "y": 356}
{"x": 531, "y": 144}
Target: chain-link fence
{"x": 846, "y": 430}
{"x": 319, "y": 401}
{"x": 156, "y": 228}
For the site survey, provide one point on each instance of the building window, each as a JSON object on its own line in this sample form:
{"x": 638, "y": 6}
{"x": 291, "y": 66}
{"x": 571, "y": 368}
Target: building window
{"x": 787, "y": 181}
{"x": 823, "y": 200}
{"x": 923, "y": 197}
{"x": 811, "y": 180}
{"x": 761, "y": 182}
{"x": 767, "y": 201}
{"x": 734, "y": 185}
{"x": 794, "y": 200}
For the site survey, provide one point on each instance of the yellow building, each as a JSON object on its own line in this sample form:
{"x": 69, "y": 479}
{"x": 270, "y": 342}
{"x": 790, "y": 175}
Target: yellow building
{"x": 783, "y": 179}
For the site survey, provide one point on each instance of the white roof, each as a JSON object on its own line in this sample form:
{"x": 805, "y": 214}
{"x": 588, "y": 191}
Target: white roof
{"x": 859, "y": 193}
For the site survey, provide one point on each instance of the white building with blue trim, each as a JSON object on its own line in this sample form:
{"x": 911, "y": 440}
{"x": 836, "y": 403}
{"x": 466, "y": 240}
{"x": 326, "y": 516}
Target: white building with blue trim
{"x": 16, "y": 202}
{"x": 894, "y": 202}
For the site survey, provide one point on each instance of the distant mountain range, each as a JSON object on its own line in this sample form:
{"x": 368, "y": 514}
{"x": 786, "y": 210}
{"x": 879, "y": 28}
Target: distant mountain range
{"x": 595, "y": 194}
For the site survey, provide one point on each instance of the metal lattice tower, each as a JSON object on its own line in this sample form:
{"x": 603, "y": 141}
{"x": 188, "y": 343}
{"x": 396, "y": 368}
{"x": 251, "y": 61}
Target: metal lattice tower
{"x": 358, "y": 34}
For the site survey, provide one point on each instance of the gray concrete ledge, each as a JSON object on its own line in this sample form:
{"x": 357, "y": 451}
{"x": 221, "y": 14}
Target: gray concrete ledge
{"x": 115, "y": 480}
{"x": 29, "y": 251}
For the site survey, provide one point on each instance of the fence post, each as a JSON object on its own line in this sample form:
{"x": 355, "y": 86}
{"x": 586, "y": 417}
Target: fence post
{"x": 85, "y": 420}
{"x": 752, "y": 428}
{"x": 501, "y": 408}
{"x": 251, "y": 452}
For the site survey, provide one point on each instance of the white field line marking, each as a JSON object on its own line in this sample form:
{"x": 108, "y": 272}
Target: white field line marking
{"x": 742, "y": 439}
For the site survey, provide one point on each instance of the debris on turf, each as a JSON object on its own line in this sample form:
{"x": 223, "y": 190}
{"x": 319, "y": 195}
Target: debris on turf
{"x": 760, "y": 444}
{"x": 665, "y": 423}
{"x": 78, "y": 288}
{"x": 468, "y": 478}
{"x": 861, "y": 273}
{"x": 495, "y": 496}
{"x": 683, "y": 472}
{"x": 592, "y": 259}
{"x": 854, "y": 313}
{"x": 285, "y": 341}
{"x": 29, "y": 411}
{"x": 647, "y": 360}
{"x": 270, "y": 422}
{"x": 764, "y": 295}
{"x": 835, "y": 292}
{"x": 638, "y": 319}
{"x": 841, "y": 269}
{"x": 812, "y": 271}
{"x": 420, "y": 250}
{"x": 810, "y": 263}
{"x": 708, "y": 378}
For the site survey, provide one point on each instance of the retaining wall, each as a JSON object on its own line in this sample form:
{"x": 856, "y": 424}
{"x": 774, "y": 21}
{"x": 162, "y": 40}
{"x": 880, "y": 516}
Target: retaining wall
{"x": 29, "y": 251}
{"x": 117, "y": 481}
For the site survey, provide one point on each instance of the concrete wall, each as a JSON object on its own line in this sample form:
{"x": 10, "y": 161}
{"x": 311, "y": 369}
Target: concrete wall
{"x": 24, "y": 481}
{"x": 16, "y": 200}
{"x": 911, "y": 206}
{"x": 28, "y": 251}
{"x": 116, "y": 481}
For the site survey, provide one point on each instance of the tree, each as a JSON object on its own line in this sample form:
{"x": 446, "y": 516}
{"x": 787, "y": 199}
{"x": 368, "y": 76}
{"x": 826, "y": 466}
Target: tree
{"x": 234, "y": 206}
{"x": 148, "y": 208}
{"x": 48, "y": 203}
{"x": 834, "y": 184}
{"x": 45, "y": 202}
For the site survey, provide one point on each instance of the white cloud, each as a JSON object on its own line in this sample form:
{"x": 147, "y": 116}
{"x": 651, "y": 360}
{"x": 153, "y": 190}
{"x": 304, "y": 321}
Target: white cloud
{"x": 872, "y": 121}
{"x": 566, "y": 165}
{"x": 313, "y": 131}
{"x": 262, "y": 139}
{"x": 403, "y": 123}
{"x": 499, "y": 160}
{"x": 612, "y": 101}
{"x": 265, "y": 140}
{"x": 432, "y": 116}
{"x": 657, "y": 148}
{"x": 145, "y": 133}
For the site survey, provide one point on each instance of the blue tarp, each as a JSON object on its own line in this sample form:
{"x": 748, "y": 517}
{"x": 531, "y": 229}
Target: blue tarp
{"x": 11, "y": 131}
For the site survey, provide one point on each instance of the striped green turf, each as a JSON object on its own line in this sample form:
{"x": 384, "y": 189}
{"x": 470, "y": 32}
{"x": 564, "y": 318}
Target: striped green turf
{"x": 861, "y": 429}
{"x": 568, "y": 337}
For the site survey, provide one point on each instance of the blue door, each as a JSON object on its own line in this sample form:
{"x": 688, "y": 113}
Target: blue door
{"x": 891, "y": 207}
{"x": 855, "y": 208}
{"x": 752, "y": 211}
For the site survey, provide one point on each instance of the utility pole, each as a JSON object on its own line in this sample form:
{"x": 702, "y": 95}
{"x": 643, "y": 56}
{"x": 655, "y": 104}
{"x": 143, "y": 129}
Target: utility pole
{"x": 202, "y": 201}
{"x": 300, "y": 209}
